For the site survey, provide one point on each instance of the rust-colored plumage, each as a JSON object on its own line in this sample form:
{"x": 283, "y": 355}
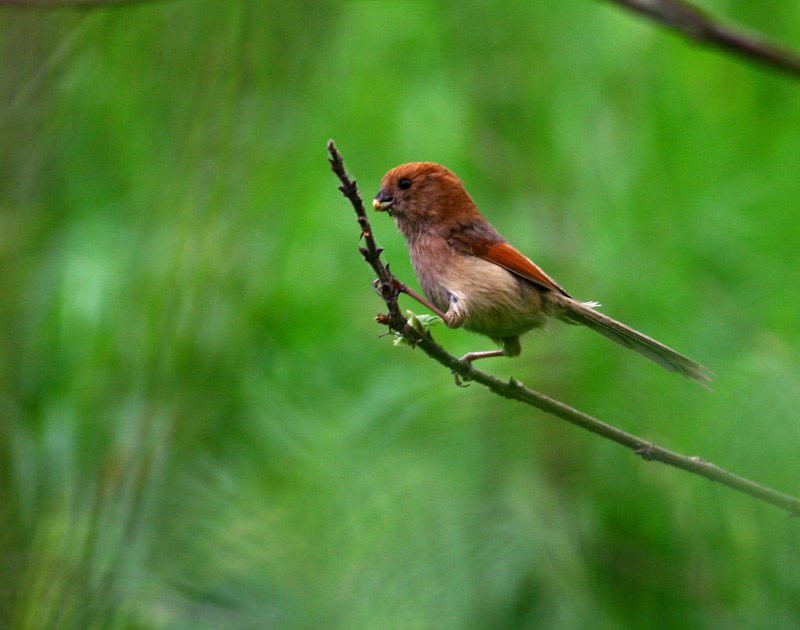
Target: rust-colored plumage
{"x": 506, "y": 256}
{"x": 480, "y": 281}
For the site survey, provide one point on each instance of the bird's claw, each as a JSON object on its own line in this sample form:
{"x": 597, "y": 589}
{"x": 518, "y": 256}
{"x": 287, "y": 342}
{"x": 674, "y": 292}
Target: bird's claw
{"x": 459, "y": 382}
{"x": 645, "y": 452}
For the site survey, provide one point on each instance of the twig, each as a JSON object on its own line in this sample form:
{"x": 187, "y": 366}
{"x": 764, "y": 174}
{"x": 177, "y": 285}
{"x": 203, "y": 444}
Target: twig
{"x": 513, "y": 389}
{"x": 698, "y": 26}
{"x": 387, "y": 284}
{"x": 675, "y": 14}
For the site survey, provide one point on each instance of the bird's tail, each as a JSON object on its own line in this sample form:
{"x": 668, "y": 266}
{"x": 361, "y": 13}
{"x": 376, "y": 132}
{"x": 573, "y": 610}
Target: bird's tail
{"x": 583, "y": 313}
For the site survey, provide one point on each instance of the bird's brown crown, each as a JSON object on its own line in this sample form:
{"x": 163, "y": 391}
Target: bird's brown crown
{"x": 424, "y": 192}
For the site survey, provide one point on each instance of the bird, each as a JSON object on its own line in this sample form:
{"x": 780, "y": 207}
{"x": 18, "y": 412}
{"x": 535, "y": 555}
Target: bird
{"x": 476, "y": 280}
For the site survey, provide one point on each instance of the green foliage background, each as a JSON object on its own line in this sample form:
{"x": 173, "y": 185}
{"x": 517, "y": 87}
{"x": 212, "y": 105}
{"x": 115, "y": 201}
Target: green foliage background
{"x": 200, "y": 427}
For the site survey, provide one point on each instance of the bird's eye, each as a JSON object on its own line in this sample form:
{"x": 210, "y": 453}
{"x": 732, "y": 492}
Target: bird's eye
{"x": 405, "y": 184}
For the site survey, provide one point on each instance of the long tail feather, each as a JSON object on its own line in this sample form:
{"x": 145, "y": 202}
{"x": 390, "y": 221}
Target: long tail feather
{"x": 580, "y": 313}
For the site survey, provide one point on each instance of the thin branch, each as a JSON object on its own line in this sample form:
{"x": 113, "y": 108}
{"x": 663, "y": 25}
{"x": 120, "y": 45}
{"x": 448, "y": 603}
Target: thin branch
{"x": 389, "y": 288}
{"x": 676, "y": 14}
{"x": 387, "y": 284}
{"x": 700, "y": 27}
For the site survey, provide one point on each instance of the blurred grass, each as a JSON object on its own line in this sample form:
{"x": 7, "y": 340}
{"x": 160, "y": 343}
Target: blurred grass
{"x": 200, "y": 427}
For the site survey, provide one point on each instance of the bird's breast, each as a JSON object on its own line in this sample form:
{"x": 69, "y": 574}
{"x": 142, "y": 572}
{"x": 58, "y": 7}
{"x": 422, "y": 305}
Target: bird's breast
{"x": 492, "y": 300}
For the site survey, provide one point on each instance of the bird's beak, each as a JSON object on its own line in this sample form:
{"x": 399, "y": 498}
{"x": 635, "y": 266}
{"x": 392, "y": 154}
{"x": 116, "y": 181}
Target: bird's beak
{"x": 382, "y": 202}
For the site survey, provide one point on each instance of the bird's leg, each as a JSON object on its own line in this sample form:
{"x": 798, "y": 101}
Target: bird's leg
{"x": 511, "y": 348}
{"x": 411, "y": 293}
{"x": 452, "y": 318}
{"x": 474, "y": 356}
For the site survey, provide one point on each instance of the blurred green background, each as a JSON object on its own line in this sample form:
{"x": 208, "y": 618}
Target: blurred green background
{"x": 201, "y": 428}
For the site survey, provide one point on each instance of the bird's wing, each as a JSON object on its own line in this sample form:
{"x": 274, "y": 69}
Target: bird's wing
{"x": 503, "y": 254}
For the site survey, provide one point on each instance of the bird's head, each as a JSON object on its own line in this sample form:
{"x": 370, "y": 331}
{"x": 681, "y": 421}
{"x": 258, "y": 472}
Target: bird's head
{"x": 423, "y": 193}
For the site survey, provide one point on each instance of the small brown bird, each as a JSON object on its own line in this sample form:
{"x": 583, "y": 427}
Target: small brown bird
{"x": 475, "y": 279}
